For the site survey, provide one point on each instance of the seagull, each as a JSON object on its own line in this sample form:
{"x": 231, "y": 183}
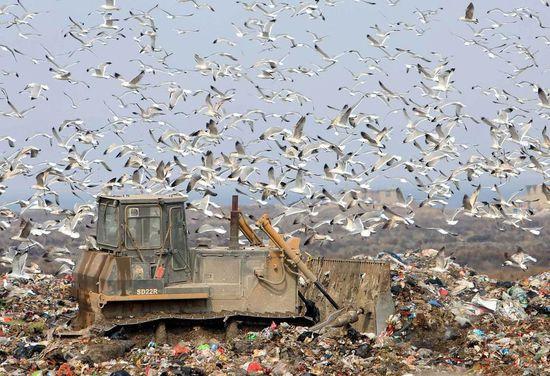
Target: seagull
{"x": 25, "y": 228}
{"x": 301, "y": 186}
{"x": 198, "y": 5}
{"x": 15, "y": 112}
{"x": 109, "y": 5}
{"x": 18, "y": 265}
{"x": 452, "y": 220}
{"x": 5, "y": 7}
{"x": 401, "y": 202}
{"x": 469, "y": 14}
{"x": 133, "y": 83}
{"x": 326, "y": 57}
{"x": 61, "y": 260}
{"x": 99, "y": 72}
{"x": 175, "y": 93}
{"x": 13, "y": 51}
{"x": 108, "y": 22}
{"x": 209, "y": 228}
{"x": 518, "y": 259}
{"x": 35, "y": 89}
{"x": 75, "y": 103}
{"x": 442, "y": 263}
{"x": 444, "y": 81}
{"x": 377, "y": 43}
{"x": 172, "y": 16}
{"x": 10, "y": 140}
{"x": 469, "y": 202}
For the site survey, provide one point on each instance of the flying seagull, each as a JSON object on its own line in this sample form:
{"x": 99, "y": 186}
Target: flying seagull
{"x": 469, "y": 15}
{"x": 518, "y": 259}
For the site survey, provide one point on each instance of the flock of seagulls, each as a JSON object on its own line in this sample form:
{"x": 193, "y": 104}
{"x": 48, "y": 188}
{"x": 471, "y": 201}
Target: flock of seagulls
{"x": 275, "y": 107}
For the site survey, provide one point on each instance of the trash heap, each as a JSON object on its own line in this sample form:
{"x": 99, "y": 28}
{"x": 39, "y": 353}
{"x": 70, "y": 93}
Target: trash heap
{"x": 446, "y": 320}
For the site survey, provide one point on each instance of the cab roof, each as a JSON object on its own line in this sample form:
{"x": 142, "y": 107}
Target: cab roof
{"x": 143, "y": 199}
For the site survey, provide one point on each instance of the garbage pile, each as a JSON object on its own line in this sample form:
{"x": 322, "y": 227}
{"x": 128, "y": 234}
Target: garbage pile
{"x": 448, "y": 318}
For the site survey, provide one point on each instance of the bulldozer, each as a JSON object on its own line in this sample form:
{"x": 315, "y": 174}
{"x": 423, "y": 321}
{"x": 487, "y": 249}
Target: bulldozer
{"x": 143, "y": 272}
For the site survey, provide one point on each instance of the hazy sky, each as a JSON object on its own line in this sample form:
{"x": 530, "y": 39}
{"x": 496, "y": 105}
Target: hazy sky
{"x": 345, "y": 28}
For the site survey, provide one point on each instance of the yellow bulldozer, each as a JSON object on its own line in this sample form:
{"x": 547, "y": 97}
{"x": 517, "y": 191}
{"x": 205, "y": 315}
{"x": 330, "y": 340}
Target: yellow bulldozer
{"x": 144, "y": 273}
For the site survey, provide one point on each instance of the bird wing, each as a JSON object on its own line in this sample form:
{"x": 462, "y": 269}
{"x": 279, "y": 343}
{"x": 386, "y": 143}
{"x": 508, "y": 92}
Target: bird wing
{"x": 271, "y": 176}
{"x": 546, "y": 191}
{"x": 239, "y": 147}
{"x": 385, "y": 88}
{"x": 323, "y": 53}
{"x": 212, "y": 128}
{"x": 208, "y": 101}
{"x": 400, "y": 196}
{"x": 41, "y": 178}
{"x": 35, "y": 91}
{"x": 299, "y": 127}
{"x": 542, "y": 96}
{"x": 374, "y": 41}
{"x": 466, "y": 202}
{"x": 469, "y": 12}
{"x": 18, "y": 264}
{"x": 300, "y": 178}
{"x": 26, "y": 227}
{"x": 268, "y": 26}
{"x": 518, "y": 258}
{"x": 137, "y": 78}
{"x": 473, "y": 199}
{"x": 12, "y": 107}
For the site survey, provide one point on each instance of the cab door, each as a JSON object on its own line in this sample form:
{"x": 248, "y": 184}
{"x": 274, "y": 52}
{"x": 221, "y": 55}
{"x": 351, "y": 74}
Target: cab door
{"x": 180, "y": 261}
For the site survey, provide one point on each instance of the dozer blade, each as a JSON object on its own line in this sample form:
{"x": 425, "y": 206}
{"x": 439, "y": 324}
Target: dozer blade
{"x": 354, "y": 284}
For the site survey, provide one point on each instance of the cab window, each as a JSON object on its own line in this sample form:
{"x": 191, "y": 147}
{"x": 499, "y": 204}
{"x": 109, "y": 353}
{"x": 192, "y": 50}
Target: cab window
{"x": 107, "y": 225}
{"x": 144, "y": 227}
{"x": 177, "y": 228}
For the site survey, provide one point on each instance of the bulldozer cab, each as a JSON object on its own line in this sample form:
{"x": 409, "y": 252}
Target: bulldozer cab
{"x": 149, "y": 228}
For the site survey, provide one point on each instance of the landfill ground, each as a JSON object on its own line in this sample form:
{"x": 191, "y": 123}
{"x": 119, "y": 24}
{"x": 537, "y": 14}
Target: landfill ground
{"x": 446, "y": 322}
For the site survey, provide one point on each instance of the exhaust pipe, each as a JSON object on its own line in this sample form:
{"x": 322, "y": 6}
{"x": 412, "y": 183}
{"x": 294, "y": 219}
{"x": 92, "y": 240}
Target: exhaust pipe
{"x": 234, "y": 223}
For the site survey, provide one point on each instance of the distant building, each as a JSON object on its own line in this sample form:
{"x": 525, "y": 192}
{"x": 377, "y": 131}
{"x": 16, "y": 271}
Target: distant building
{"x": 534, "y": 197}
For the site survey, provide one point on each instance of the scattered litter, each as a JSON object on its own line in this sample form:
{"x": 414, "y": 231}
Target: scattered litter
{"x": 449, "y": 322}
